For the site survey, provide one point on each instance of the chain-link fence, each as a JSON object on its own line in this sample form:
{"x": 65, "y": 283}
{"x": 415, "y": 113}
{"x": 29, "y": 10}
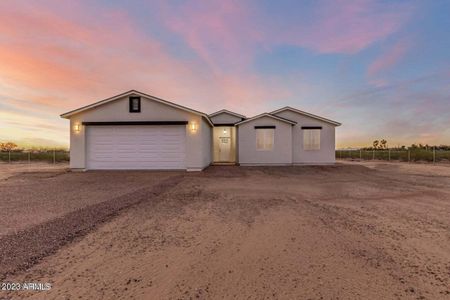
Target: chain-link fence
{"x": 50, "y": 156}
{"x": 407, "y": 155}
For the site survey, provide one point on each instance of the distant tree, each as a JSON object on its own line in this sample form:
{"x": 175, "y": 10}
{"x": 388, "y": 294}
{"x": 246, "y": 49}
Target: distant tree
{"x": 383, "y": 144}
{"x": 8, "y": 146}
{"x": 375, "y": 144}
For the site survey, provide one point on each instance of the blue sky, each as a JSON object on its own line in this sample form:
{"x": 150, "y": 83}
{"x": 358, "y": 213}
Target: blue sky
{"x": 382, "y": 68}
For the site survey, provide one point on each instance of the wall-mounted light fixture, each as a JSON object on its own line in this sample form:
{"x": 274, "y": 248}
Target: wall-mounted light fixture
{"x": 77, "y": 127}
{"x": 224, "y": 131}
{"x": 193, "y": 126}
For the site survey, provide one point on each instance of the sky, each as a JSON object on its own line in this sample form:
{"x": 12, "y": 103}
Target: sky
{"x": 381, "y": 68}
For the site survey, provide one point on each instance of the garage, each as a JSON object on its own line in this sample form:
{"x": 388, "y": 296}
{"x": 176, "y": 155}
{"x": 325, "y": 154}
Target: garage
{"x": 136, "y": 147}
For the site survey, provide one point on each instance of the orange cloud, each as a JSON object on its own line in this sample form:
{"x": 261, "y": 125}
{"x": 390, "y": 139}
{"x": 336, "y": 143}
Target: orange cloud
{"x": 56, "y": 57}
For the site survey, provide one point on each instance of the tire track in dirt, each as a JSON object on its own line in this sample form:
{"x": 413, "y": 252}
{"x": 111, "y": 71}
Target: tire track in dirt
{"x": 21, "y": 250}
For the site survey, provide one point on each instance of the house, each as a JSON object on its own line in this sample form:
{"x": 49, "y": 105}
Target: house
{"x": 134, "y": 130}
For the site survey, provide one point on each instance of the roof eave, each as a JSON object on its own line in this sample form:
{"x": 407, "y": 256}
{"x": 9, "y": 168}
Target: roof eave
{"x": 307, "y": 114}
{"x": 266, "y": 115}
{"x": 227, "y": 112}
{"x": 67, "y": 115}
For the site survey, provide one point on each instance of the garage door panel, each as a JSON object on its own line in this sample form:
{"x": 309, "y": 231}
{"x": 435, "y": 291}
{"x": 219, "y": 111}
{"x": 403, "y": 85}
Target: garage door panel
{"x": 136, "y": 147}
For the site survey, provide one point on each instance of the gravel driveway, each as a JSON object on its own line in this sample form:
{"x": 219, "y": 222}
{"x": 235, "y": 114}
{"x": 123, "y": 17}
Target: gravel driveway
{"x": 31, "y": 195}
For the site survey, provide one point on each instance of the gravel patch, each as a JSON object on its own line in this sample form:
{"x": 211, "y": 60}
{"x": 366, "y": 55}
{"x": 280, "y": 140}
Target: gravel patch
{"x": 25, "y": 248}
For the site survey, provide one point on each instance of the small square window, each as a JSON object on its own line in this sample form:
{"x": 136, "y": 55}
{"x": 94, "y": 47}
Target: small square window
{"x": 135, "y": 104}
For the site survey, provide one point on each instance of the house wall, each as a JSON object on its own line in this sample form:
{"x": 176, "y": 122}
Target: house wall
{"x": 326, "y": 154}
{"x": 225, "y": 118}
{"x": 198, "y": 144}
{"x": 281, "y": 153}
{"x": 206, "y": 132}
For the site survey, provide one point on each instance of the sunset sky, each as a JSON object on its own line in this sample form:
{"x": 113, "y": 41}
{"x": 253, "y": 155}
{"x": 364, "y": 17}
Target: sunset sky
{"x": 382, "y": 68}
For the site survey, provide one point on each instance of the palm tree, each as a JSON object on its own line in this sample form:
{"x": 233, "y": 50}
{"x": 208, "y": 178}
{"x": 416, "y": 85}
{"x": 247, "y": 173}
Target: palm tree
{"x": 383, "y": 144}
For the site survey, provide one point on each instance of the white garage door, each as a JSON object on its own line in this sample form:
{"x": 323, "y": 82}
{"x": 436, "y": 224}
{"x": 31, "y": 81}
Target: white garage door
{"x": 136, "y": 147}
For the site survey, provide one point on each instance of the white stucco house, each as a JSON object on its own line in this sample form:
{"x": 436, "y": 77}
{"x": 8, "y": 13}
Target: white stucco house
{"x": 134, "y": 130}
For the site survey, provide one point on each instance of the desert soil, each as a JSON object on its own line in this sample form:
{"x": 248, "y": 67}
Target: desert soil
{"x": 35, "y": 193}
{"x": 350, "y": 231}
{"x": 10, "y": 169}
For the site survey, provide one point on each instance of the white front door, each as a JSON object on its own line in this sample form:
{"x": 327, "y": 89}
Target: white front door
{"x": 224, "y": 144}
{"x": 136, "y": 147}
{"x": 224, "y": 148}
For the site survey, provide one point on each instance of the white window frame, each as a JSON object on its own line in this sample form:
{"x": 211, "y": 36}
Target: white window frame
{"x": 311, "y": 142}
{"x": 268, "y": 136}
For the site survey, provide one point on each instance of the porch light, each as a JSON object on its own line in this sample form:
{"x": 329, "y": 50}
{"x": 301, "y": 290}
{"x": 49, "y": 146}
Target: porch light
{"x": 224, "y": 130}
{"x": 77, "y": 127}
{"x": 193, "y": 126}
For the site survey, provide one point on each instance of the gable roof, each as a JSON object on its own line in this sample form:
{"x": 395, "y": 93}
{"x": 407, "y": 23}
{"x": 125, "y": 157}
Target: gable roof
{"x": 227, "y": 112}
{"x": 307, "y": 114}
{"x": 134, "y": 93}
{"x": 267, "y": 115}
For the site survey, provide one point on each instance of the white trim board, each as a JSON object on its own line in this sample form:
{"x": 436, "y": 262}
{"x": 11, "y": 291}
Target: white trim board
{"x": 306, "y": 114}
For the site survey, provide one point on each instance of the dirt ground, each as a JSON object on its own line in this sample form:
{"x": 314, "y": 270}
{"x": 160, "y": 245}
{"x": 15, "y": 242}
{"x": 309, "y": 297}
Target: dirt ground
{"x": 10, "y": 169}
{"x": 350, "y": 231}
{"x": 34, "y": 193}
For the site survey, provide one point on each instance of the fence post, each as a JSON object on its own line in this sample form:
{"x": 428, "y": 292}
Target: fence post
{"x": 9, "y": 156}
{"x": 389, "y": 154}
{"x": 54, "y": 156}
{"x": 360, "y": 154}
{"x": 29, "y": 157}
{"x": 434, "y": 155}
{"x": 409, "y": 155}
{"x": 373, "y": 154}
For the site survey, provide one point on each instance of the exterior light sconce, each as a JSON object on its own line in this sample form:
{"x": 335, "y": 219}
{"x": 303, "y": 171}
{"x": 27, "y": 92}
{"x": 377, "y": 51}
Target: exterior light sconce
{"x": 193, "y": 126}
{"x": 224, "y": 131}
{"x": 77, "y": 127}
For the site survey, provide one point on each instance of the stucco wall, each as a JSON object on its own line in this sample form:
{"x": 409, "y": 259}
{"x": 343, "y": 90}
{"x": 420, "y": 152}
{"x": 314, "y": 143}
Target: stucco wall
{"x": 225, "y": 118}
{"x": 206, "y": 138}
{"x": 282, "y": 150}
{"x": 326, "y": 154}
{"x": 198, "y": 144}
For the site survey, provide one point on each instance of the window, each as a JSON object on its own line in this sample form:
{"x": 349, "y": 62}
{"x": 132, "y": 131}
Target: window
{"x": 264, "y": 139}
{"x": 135, "y": 104}
{"x": 311, "y": 139}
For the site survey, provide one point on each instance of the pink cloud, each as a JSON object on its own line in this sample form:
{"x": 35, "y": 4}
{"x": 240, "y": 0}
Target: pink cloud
{"x": 388, "y": 58}
{"x": 55, "y": 58}
{"x": 350, "y": 26}
{"x": 226, "y": 34}
{"x": 220, "y": 32}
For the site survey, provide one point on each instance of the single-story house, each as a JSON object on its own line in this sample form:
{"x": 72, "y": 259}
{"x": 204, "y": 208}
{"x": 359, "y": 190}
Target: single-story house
{"x": 134, "y": 130}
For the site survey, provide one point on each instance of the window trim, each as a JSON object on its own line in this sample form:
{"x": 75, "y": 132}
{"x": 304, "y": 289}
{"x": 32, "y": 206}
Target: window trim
{"x": 131, "y": 99}
{"x": 265, "y": 127}
{"x": 256, "y": 137}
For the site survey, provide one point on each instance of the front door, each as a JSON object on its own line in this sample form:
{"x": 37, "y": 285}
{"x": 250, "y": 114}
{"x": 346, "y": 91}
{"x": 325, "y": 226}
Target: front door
{"x": 224, "y": 148}
{"x": 224, "y": 144}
